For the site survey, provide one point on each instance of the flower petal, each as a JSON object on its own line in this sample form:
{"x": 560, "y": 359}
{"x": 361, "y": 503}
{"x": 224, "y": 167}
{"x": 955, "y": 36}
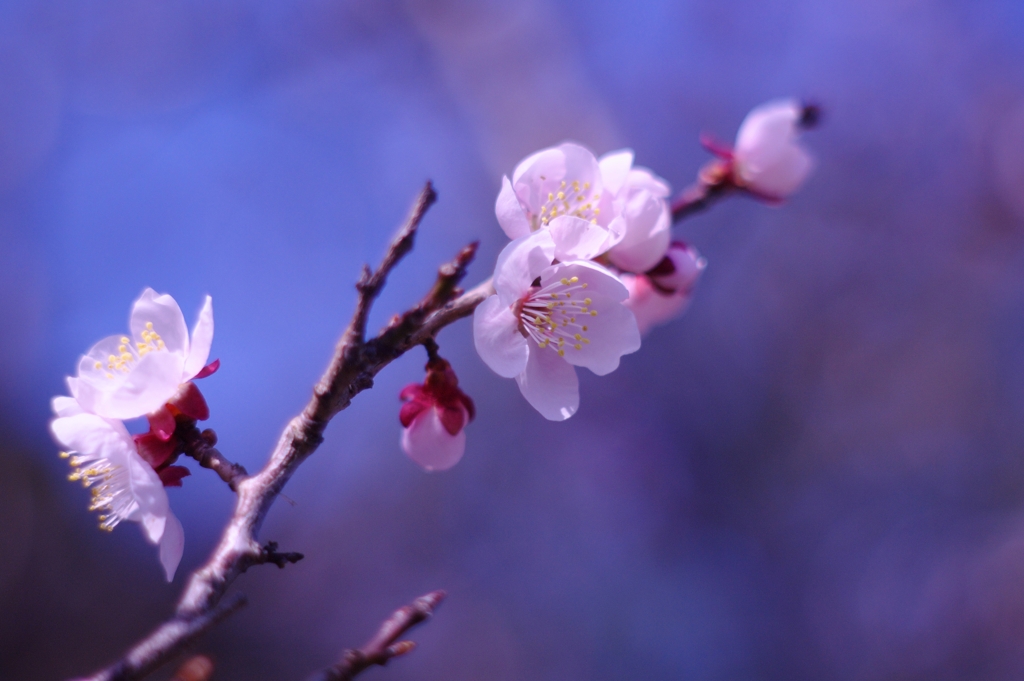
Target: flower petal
{"x": 520, "y": 262}
{"x": 202, "y": 339}
{"x": 612, "y": 332}
{"x": 410, "y": 410}
{"x": 66, "y": 406}
{"x": 165, "y": 315}
{"x": 647, "y": 234}
{"x": 576, "y": 238}
{"x": 536, "y": 175}
{"x": 92, "y": 435}
{"x": 430, "y": 445}
{"x": 153, "y": 381}
{"x": 615, "y": 168}
{"x": 190, "y": 402}
{"x": 172, "y": 546}
{"x": 510, "y": 213}
{"x": 549, "y": 384}
{"x": 497, "y": 338}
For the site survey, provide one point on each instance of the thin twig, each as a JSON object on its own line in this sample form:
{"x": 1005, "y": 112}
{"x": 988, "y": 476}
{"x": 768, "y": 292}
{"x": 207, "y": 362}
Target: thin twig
{"x": 385, "y": 644}
{"x": 351, "y": 370}
{"x": 200, "y": 446}
{"x": 715, "y": 181}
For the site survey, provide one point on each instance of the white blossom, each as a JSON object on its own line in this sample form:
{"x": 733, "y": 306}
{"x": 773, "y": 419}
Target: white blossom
{"x": 545, "y": 319}
{"x": 124, "y": 487}
{"x": 124, "y": 377}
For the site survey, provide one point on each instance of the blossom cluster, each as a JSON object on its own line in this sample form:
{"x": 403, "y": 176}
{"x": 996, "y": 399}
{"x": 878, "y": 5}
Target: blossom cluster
{"x": 147, "y": 373}
{"x": 592, "y": 266}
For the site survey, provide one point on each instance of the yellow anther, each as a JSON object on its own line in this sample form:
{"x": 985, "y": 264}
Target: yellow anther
{"x": 563, "y": 184}
{"x": 111, "y": 359}
{"x": 597, "y": 211}
{"x": 565, "y": 282}
{"x": 551, "y": 306}
{"x": 593, "y": 221}
{"x": 587, "y": 301}
{"x": 593, "y": 313}
{"x": 578, "y": 346}
{"x": 585, "y": 284}
{"x": 584, "y": 327}
{"x": 579, "y": 198}
{"x": 577, "y": 336}
{"x": 125, "y": 339}
{"x": 99, "y": 365}
{"x": 586, "y": 341}
{"x": 574, "y": 280}
{"x": 586, "y": 185}
{"x": 64, "y": 455}
{"x": 561, "y": 352}
{"x": 110, "y": 375}
{"x": 561, "y": 196}
{"x": 141, "y": 346}
{"x": 550, "y": 196}
{"x": 149, "y": 325}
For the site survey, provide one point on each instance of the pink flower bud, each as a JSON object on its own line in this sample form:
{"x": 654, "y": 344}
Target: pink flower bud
{"x": 434, "y": 416}
{"x": 679, "y": 270}
{"x": 663, "y": 293}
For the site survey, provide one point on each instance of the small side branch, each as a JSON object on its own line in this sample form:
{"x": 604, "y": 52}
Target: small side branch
{"x": 270, "y": 554}
{"x": 714, "y": 182}
{"x": 200, "y": 446}
{"x": 385, "y": 644}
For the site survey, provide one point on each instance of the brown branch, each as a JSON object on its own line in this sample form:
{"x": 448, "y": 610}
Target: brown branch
{"x": 351, "y": 370}
{"x": 200, "y": 446}
{"x": 714, "y": 182}
{"x": 385, "y": 644}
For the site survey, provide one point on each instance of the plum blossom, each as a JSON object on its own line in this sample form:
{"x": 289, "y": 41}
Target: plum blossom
{"x": 124, "y": 377}
{"x": 665, "y": 291}
{"x": 103, "y": 456}
{"x": 434, "y": 416}
{"x": 561, "y": 188}
{"x": 545, "y": 319}
{"x": 768, "y": 159}
{"x": 640, "y": 201}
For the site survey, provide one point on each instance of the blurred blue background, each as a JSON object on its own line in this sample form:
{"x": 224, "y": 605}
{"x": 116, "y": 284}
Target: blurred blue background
{"x": 816, "y": 473}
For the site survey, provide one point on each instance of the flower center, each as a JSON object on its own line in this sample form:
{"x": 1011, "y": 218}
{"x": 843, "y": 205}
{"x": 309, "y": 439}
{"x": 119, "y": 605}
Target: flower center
{"x": 571, "y": 198}
{"x": 129, "y": 354}
{"x": 549, "y": 315}
{"x": 112, "y": 491}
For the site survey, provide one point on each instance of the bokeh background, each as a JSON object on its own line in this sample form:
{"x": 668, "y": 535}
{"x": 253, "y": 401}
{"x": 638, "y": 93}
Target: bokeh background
{"x": 817, "y": 473}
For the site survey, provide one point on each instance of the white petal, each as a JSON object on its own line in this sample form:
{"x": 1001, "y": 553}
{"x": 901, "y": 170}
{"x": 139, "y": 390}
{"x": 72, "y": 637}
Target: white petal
{"x": 165, "y": 315}
{"x": 66, "y": 406}
{"x": 576, "y": 238}
{"x": 581, "y": 165}
{"x": 153, "y": 381}
{"x": 497, "y": 338}
{"x": 93, "y": 436}
{"x": 612, "y": 332}
{"x": 510, "y": 213}
{"x": 430, "y": 445}
{"x": 202, "y": 339}
{"x": 537, "y": 175}
{"x": 615, "y": 168}
{"x": 172, "y": 545}
{"x": 648, "y": 233}
{"x": 520, "y": 263}
{"x": 549, "y": 384}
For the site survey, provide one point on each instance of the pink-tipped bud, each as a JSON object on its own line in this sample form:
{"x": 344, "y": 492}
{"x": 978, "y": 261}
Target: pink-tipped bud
{"x": 769, "y": 160}
{"x": 679, "y": 270}
{"x": 434, "y": 416}
{"x": 663, "y": 293}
